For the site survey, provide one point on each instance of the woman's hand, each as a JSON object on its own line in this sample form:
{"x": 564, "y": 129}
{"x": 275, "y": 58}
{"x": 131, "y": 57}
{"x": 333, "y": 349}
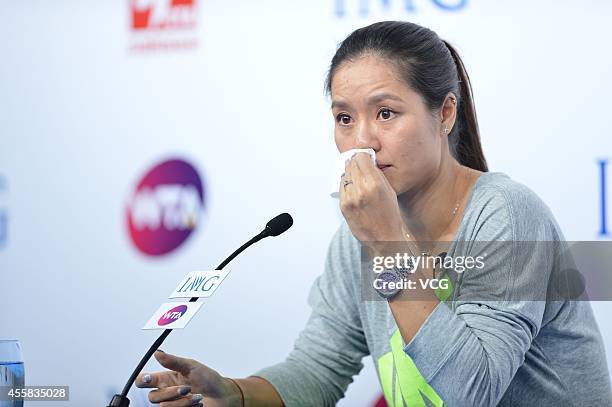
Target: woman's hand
{"x": 188, "y": 383}
{"x": 369, "y": 203}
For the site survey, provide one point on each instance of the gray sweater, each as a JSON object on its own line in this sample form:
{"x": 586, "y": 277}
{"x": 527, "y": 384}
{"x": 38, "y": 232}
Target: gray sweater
{"x": 470, "y": 351}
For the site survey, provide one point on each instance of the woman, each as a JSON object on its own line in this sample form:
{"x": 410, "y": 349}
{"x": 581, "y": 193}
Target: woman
{"x": 399, "y": 89}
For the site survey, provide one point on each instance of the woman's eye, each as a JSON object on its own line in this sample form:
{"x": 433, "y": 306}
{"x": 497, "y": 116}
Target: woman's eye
{"x": 385, "y": 113}
{"x": 343, "y": 119}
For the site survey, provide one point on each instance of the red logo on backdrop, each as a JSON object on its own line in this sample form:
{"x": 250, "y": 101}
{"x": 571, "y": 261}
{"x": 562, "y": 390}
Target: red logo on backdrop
{"x": 163, "y": 24}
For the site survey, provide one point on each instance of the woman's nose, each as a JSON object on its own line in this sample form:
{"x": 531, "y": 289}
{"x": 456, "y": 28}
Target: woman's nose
{"x": 366, "y": 137}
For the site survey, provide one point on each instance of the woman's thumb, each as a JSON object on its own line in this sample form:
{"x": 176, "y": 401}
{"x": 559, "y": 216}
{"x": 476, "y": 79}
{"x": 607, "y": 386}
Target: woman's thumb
{"x": 176, "y": 363}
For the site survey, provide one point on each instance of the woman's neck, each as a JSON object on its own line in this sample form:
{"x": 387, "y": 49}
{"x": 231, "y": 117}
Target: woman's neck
{"x": 434, "y": 212}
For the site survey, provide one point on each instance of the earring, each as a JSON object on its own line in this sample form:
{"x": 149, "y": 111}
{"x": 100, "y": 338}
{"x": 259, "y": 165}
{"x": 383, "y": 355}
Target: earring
{"x": 445, "y": 130}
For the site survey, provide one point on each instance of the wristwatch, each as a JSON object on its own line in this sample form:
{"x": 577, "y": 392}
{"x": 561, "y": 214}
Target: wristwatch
{"x": 395, "y": 276}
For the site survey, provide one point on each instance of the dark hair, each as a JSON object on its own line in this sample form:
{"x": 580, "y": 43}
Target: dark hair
{"x": 431, "y": 67}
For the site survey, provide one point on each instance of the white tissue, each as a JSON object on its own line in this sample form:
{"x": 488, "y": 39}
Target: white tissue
{"x": 340, "y": 165}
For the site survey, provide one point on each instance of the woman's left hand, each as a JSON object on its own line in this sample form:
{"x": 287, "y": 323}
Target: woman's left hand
{"x": 369, "y": 203}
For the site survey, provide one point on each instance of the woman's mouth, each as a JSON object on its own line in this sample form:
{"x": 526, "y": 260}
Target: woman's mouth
{"x": 383, "y": 167}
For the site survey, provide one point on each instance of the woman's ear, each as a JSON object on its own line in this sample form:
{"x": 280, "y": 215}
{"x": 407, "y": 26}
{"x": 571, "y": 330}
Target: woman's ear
{"x": 448, "y": 113}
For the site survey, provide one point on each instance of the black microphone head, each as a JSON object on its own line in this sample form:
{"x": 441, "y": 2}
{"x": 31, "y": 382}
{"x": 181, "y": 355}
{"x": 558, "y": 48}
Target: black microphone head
{"x": 279, "y": 224}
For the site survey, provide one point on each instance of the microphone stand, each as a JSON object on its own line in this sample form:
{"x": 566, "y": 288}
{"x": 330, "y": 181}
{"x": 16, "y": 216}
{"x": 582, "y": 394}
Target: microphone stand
{"x": 121, "y": 400}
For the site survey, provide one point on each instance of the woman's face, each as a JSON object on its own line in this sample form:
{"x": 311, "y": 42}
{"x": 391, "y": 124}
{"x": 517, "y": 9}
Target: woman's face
{"x": 374, "y": 108}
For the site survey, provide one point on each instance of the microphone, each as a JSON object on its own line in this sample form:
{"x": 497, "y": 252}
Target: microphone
{"x": 276, "y": 226}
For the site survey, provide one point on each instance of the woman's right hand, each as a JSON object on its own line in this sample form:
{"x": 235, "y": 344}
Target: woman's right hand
{"x": 188, "y": 383}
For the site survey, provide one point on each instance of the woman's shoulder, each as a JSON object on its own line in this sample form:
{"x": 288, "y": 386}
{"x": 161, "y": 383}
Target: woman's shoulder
{"x": 506, "y": 204}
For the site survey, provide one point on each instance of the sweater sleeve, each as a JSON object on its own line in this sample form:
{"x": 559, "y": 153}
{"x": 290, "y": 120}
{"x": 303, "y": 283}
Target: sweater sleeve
{"x": 470, "y": 348}
{"x": 329, "y": 350}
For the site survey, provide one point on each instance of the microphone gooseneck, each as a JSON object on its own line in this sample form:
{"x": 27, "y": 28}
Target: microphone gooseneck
{"x": 274, "y": 227}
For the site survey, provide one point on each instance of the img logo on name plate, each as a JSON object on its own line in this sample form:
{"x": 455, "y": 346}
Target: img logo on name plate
{"x": 165, "y": 207}
{"x": 199, "y": 284}
{"x": 173, "y": 315}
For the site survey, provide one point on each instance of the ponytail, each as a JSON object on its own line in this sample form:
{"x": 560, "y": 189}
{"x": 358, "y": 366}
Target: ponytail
{"x": 465, "y": 140}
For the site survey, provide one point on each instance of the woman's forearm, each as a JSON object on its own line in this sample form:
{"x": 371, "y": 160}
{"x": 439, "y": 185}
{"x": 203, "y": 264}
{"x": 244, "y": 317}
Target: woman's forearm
{"x": 259, "y": 392}
{"x": 411, "y": 314}
{"x": 411, "y": 307}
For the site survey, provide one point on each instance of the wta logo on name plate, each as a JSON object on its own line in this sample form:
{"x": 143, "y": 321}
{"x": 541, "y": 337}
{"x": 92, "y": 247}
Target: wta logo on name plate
{"x": 165, "y": 207}
{"x": 173, "y": 315}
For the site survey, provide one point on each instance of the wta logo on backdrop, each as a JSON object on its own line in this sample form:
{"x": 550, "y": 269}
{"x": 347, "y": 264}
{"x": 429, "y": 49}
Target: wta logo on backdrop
{"x": 165, "y": 207}
{"x": 163, "y": 24}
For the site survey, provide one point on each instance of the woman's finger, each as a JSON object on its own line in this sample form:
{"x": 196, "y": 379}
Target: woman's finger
{"x": 345, "y": 193}
{"x": 157, "y": 380}
{"x": 172, "y": 362}
{"x": 189, "y": 400}
{"x": 341, "y": 191}
{"x": 356, "y": 173}
{"x": 169, "y": 393}
{"x": 146, "y": 380}
{"x": 363, "y": 161}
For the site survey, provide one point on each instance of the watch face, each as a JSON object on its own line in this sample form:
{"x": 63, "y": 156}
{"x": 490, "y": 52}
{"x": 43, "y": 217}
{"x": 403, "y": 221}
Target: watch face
{"x": 387, "y": 277}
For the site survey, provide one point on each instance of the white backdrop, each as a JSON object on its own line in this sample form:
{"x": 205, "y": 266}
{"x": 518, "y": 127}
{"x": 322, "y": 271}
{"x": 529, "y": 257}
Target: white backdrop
{"x": 89, "y": 104}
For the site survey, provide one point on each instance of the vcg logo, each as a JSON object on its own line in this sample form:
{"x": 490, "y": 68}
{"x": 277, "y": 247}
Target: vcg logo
{"x": 165, "y": 207}
{"x": 343, "y": 8}
{"x": 172, "y": 315}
